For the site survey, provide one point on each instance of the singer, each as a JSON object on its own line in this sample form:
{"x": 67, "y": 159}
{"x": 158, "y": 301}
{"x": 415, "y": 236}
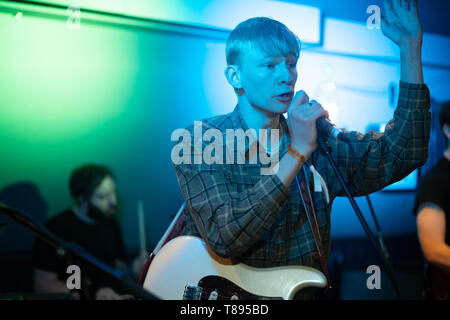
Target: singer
{"x": 272, "y": 220}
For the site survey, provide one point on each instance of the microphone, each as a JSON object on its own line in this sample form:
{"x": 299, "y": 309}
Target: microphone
{"x": 326, "y": 128}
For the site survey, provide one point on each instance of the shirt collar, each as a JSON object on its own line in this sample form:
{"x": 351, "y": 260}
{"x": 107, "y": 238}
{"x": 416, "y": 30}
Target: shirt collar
{"x": 239, "y": 123}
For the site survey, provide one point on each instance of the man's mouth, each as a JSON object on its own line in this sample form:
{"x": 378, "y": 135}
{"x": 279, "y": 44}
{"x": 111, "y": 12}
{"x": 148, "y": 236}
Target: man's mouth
{"x": 285, "y": 96}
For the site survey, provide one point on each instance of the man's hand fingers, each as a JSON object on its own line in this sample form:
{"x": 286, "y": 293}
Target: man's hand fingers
{"x": 310, "y": 111}
{"x": 113, "y": 296}
{"x": 407, "y": 4}
{"x": 317, "y": 110}
{"x": 413, "y": 6}
{"x": 321, "y": 113}
{"x": 300, "y": 98}
{"x": 390, "y": 12}
{"x": 106, "y": 293}
{"x": 387, "y": 4}
{"x": 396, "y": 5}
{"x": 400, "y": 7}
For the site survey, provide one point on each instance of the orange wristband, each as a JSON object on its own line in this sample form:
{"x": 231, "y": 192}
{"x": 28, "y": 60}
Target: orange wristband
{"x": 296, "y": 154}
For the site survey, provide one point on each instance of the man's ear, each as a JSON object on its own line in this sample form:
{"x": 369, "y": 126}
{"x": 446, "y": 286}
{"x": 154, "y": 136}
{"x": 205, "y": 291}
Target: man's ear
{"x": 233, "y": 76}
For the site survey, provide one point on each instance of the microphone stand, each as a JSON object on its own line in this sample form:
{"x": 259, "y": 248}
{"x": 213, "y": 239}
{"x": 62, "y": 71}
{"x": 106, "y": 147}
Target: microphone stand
{"x": 72, "y": 250}
{"x": 325, "y": 149}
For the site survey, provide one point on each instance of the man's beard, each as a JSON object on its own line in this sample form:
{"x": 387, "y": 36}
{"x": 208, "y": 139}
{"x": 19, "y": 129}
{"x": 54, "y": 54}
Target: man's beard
{"x": 96, "y": 214}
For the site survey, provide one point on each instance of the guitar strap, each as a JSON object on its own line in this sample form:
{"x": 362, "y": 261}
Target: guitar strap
{"x": 305, "y": 195}
{"x": 175, "y": 229}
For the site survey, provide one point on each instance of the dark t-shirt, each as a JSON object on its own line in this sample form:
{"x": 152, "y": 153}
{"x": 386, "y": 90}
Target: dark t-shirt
{"x": 102, "y": 240}
{"x": 435, "y": 188}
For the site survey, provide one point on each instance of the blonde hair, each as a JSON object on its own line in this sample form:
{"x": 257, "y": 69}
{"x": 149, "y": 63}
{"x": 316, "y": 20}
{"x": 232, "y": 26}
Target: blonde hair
{"x": 270, "y": 36}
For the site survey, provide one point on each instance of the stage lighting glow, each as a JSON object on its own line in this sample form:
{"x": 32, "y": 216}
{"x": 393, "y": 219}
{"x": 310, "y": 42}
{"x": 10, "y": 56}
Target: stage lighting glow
{"x": 304, "y": 20}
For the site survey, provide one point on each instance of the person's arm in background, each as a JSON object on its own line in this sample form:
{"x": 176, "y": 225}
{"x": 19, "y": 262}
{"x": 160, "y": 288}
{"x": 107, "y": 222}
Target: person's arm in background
{"x": 431, "y": 232}
{"x": 45, "y": 270}
{"x": 48, "y": 282}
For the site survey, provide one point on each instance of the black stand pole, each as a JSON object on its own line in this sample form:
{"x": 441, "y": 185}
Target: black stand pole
{"x": 325, "y": 149}
{"x": 64, "y": 248}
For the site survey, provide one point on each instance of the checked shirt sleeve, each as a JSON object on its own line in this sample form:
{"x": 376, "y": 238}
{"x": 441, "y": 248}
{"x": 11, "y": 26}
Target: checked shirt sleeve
{"x": 385, "y": 158}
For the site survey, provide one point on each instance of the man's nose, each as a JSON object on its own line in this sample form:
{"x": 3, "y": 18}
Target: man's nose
{"x": 286, "y": 74}
{"x": 113, "y": 200}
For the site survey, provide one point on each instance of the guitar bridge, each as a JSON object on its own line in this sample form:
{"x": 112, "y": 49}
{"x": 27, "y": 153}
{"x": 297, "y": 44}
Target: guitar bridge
{"x": 192, "y": 292}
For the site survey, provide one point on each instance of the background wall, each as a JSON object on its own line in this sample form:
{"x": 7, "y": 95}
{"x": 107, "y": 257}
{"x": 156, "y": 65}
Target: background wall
{"x": 112, "y": 93}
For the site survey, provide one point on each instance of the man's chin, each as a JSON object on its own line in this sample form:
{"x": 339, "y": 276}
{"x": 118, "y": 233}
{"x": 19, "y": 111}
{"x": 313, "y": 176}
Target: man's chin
{"x": 281, "y": 108}
{"x": 275, "y": 109}
{"x": 110, "y": 213}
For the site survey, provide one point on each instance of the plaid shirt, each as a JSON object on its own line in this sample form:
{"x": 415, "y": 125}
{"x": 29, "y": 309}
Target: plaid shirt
{"x": 255, "y": 219}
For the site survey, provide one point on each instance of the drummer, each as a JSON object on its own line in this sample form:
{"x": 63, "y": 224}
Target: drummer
{"x": 91, "y": 224}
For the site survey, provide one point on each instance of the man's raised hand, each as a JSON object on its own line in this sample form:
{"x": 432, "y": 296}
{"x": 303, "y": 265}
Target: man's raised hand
{"x": 401, "y": 24}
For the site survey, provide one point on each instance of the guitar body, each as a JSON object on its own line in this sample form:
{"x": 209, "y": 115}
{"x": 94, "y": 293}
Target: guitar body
{"x": 187, "y": 261}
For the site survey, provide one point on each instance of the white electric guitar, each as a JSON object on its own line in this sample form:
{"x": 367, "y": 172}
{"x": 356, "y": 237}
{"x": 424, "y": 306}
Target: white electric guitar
{"x": 186, "y": 269}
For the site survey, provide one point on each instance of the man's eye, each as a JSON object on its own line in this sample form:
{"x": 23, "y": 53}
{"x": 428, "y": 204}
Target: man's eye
{"x": 270, "y": 65}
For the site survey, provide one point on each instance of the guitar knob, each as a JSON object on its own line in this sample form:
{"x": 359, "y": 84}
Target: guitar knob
{"x": 213, "y": 296}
